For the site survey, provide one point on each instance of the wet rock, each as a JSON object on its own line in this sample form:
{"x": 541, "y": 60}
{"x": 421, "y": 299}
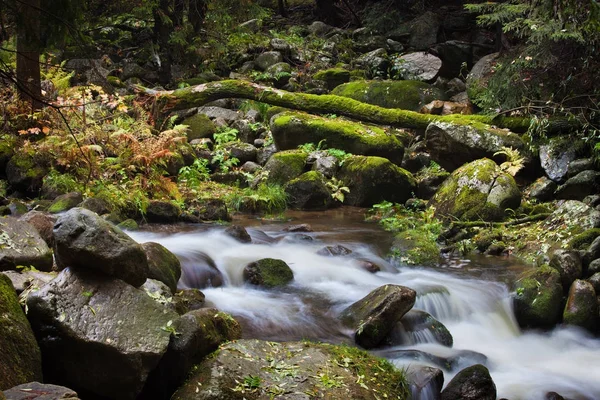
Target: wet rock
{"x": 582, "y": 307}
{"x": 162, "y": 212}
{"x": 65, "y": 202}
{"x": 419, "y": 66}
{"x": 187, "y": 300}
{"x": 299, "y": 228}
{"x": 580, "y": 186}
{"x": 452, "y": 145}
{"x": 472, "y": 383}
{"x": 22, "y": 246}
{"x": 555, "y": 158}
{"x": 267, "y": 363}
{"x": 407, "y": 95}
{"x": 239, "y": 233}
{"x": 425, "y": 382}
{"x": 292, "y": 129}
{"x": 538, "y": 299}
{"x": 594, "y": 280}
{"x": 98, "y": 334}
{"x": 285, "y": 166}
{"x": 20, "y": 358}
{"x": 39, "y": 391}
{"x": 24, "y": 280}
{"x": 568, "y": 264}
{"x": 308, "y": 192}
{"x": 43, "y": 224}
{"x": 200, "y": 332}
{"x": 419, "y": 327}
{"x": 553, "y": 396}
{"x": 83, "y": 240}
{"x": 333, "y": 251}
{"x": 368, "y": 266}
{"x": 372, "y": 180}
{"x": 479, "y": 190}
{"x": 542, "y": 189}
{"x": 456, "y": 359}
{"x": 200, "y": 272}
{"x": 374, "y": 316}
{"x": 163, "y": 265}
{"x": 268, "y": 272}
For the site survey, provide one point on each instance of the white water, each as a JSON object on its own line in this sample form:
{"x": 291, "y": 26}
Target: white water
{"x": 476, "y": 312}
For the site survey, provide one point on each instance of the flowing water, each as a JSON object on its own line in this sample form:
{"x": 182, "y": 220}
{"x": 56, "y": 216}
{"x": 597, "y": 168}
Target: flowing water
{"x": 470, "y": 297}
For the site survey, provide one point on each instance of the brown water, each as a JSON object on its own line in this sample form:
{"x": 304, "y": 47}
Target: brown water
{"x": 470, "y": 296}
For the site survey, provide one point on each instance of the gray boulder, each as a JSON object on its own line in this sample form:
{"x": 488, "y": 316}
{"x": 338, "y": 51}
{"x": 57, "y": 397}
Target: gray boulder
{"x": 308, "y": 192}
{"x": 163, "y": 265}
{"x": 555, "y": 158}
{"x": 374, "y": 316}
{"x": 425, "y": 381}
{"x": 39, "y": 391}
{"x": 242, "y": 151}
{"x": 43, "y": 224}
{"x": 86, "y": 241}
{"x": 452, "y": 145}
{"x": 568, "y": 264}
{"x": 20, "y": 358}
{"x": 582, "y": 306}
{"x": 538, "y": 298}
{"x": 574, "y": 213}
{"x": 372, "y": 180}
{"x": 542, "y": 189}
{"x": 99, "y": 334}
{"x": 267, "y": 59}
{"x": 479, "y": 190}
{"x": 419, "y": 66}
{"x": 583, "y": 184}
{"x": 472, "y": 383}
{"x": 21, "y": 245}
{"x": 376, "y": 62}
{"x": 419, "y": 327}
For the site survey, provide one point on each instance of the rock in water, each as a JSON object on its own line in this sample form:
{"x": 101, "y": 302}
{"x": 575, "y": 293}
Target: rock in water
{"x": 83, "y": 240}
{"x": 268, "y": 272}
{"x": 20, "y": 358}
{"x": 99, "y": 334}
{"x": 472, "y": 383}
{"x": 20, "y": 244}
{"x": 538, "y": 298}
{"x": 582, "y": 307}
{"x": 374, "y": 316}
{"x": 163, "y": 265}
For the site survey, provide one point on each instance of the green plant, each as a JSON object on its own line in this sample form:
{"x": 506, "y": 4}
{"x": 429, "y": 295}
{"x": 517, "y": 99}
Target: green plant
{"x": 515, "y": 161}
{"x": 225, "y": 135}
{"x": 194, "y": 174}
{"x": 170, "y": 328}
{"x": 224, "y": 160}
{"x": 337, "y": 189}
{"x": 267, "y": 197}
{"x": 61, "y": 182}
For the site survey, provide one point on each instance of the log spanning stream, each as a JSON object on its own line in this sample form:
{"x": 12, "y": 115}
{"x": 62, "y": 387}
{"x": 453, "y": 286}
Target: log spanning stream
{"x": 470, "y": 297}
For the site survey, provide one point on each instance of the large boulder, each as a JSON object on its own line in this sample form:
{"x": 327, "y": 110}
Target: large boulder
{"x": 86, "y": 241}
{"x": 425, "y": 381}
{"x": 99, "y": 334}
{"x": 163, "y": 265}
{"x": 419, "y": 327}
{"x": 268, "y": 272}
{"x": 372, "y": 180}
{"x": 407, "y": 95}
{"x": 582, "y": 307}
{"x": 25, "y": 173}
{"x": 472, "y": 383}
{"x": 373, "y": 317}
{"x": 285, "y": 166}
{"x": 199, "y": 271}
{"x": 419, "y": 66}
{"x": 199, "y": 333}
{"x": 452, "y": 145}
{"x": 200, "y": 126}
{"x": 254, "y": 369}
{"x": 65, "y": 202}
{"x": 479, "y": 76}
{"x": 39, "y": 391}
{"x": 538, "y": 298}
{"x": 583, "y": 184}
{"x": 308, "y": 192}
{"x": 291, "y": 129}
{"x": 21, "y": 245}
{"x": 574, "y": 214}
{"x": 569, "y": 266}
{"x": 20, "y": 358}
{"x": 43, "y": 224}
{"x": 479, "y": 190}
{"x": 555, "y": 157}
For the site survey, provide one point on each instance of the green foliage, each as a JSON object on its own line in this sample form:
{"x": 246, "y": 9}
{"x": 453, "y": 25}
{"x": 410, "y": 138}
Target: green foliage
{"x": 224, "y": 160}
{"x": 194, "y": 174}
{"x": 515, "y": 161}
{"x": 59, "y": 77}
{"x": 61, "y": 182}
{"x": 269, "y": 198}
{"x": 338, "y": 189}
{"x": 225, "y": 135}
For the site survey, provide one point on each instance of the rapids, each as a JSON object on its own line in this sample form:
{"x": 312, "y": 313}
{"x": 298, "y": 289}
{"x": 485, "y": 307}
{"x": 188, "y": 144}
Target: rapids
{"x": 470, "y": 297}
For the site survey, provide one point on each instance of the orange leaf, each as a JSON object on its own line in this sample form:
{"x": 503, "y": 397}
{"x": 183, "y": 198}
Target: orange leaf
{"x": 45, "y": 130}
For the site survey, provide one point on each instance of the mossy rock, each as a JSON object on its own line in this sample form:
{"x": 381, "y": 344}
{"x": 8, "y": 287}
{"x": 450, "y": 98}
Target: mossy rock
{"x": 583, "y": 240}
{"x": 255, "y": 369}
{"x": 200, "y": 126}
{"x": 115, "y": 82}
{"x": 582, "y": 307}
{"x": 538, "y": 298}
{"x": 333, "y": 77}
{"x": 65, "y": 202}
{"x": 308, "y": 192}
{"x": 291, "y": 129}
{"x": 285, "y": 166}
{"x": 25, "y": 173}
{"x": 163, "y": 265}
{"x": 20, "y": 358}
{"x": 128, "y": 225}
{"x": 416, "y": 247}
{"x": 372, "y": 180}
{"x": 479, "y": 190}
{"x": 472, "y": 383}
{"x": 406, "y": 95}
{"x": 8, "y": 143}
{"x": 268, "y": 272}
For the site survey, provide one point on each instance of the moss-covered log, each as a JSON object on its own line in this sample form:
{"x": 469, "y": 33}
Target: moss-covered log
{"x": 195, "y": 96}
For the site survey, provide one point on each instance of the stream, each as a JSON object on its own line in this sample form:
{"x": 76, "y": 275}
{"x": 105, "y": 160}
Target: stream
{"x": 470, "y": 296}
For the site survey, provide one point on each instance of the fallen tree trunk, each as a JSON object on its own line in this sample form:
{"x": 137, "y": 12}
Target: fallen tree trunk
{"x": 196, "y": 96}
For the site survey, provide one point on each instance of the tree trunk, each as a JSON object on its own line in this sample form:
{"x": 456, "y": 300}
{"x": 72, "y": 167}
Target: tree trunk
{"x": 28, "y": 52}
{"x": 163, "y": 25}
{"x": 196, "y": 96}
{"x": 281, "y": 7}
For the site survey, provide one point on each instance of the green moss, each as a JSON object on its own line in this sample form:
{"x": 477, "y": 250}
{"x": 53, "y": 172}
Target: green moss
{"x": 419, "y": 247}
{"x": 268, "y": 272}
{"x": 583, "y": 240}
{"x": 292, "y": 129}
{"x": 129, "y": 225}
{"x": 115, "y": 82}
{"x": 406, "y": 95}
{"x": 538, "y": 299}
{"x": 200, "y": 126}
{"x": 333, "y": 77}
{"x": 285, "y": 165}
